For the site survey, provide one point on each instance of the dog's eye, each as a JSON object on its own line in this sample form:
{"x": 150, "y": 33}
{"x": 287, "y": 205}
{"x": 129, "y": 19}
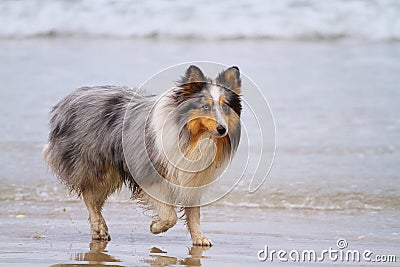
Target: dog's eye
{"x": 225, "y": 107}
{"x": 206, "y": 107}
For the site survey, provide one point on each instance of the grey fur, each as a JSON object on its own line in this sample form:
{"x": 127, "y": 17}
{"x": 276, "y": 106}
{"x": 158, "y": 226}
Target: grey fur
{"x": 86, "y": 136}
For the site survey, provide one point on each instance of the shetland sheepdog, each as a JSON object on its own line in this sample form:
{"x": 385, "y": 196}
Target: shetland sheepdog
{"x": 166, "y": 148}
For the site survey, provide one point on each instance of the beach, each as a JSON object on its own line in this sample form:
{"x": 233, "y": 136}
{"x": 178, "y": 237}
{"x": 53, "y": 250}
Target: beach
{"x": 51, "y": 234}
{"x": 335, "y": 175}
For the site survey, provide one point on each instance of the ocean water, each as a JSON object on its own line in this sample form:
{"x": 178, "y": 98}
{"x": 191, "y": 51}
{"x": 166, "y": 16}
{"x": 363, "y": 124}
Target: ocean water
{"x": 210, "y": 20}
{"x": 335, "y": 108}
{"x": 329, "y": 70}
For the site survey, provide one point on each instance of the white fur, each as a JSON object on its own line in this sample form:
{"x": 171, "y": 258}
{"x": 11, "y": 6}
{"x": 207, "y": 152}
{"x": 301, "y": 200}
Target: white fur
{"x": 187, "y": 172}
{"x": 215, "y": 93}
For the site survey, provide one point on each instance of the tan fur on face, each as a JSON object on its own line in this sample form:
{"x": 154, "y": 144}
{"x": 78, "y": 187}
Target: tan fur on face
{"x": 232, "y": 120}
{"x": 202, "y": 127}
{"x": 221, "y": 143}
{"x": 222, "y": 100}
{"x": 199, "y": 122}
{"x": 202, "y": 124}
{"x": 198, "y": 127}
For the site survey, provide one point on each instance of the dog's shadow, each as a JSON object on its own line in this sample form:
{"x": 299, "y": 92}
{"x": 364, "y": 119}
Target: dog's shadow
{"x": 159, "y": 257}
{"x": 97, "y": 256}
{"x": 97, "y": 253}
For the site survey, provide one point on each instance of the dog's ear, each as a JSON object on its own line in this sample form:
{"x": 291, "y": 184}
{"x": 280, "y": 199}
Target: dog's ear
{"x": 230, "y": 78}
{"x": 193, "y": 80}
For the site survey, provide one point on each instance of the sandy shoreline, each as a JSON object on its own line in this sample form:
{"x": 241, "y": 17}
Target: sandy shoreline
{"x": 57, "y": 234}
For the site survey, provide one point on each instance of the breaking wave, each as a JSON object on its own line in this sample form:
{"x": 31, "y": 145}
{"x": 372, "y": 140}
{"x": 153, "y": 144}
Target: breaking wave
{"x": 223, "y": 20}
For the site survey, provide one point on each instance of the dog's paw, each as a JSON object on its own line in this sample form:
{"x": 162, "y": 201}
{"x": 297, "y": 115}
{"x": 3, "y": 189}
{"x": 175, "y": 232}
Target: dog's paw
{"x": 155, "y": 227}
{"x": 202, "y": 241}
{"x": 159, "y": 226}
{"x": 101, "y": 236}
{"x": 101, "y": 233}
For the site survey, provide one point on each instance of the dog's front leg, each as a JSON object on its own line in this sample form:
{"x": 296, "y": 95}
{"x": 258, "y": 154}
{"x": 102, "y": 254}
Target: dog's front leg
{"x": 166, "y": 217}
{"x": 193, "y": 225}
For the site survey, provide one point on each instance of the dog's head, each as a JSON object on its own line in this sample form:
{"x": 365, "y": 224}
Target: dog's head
{"x": 207, "y": 105}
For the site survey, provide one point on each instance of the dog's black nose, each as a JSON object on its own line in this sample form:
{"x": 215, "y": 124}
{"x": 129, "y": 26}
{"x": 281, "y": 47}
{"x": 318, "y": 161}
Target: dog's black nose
{"x": 221, "y": 129}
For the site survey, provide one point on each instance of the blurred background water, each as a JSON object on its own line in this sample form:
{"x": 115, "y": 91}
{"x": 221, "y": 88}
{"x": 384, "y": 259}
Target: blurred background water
{"x": 329, "y": 69}
{"x": 210, "y": 20}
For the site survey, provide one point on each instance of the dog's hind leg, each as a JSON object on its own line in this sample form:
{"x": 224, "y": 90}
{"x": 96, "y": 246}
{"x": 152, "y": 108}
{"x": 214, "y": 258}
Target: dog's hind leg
{"x": 94, "y": 202}
{"x": 95, "y": 193}
{"x": 166, "y": 217}
{"x": 193, "y": 225}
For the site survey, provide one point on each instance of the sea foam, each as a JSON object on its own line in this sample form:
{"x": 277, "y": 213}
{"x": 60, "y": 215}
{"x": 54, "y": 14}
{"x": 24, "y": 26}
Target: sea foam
{"x": 222, "y": 20}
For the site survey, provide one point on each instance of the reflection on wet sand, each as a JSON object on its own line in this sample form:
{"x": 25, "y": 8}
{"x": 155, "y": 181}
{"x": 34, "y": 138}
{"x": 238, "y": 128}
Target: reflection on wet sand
{"x": 95, "y": 257}
{"x": 160, "y": 257}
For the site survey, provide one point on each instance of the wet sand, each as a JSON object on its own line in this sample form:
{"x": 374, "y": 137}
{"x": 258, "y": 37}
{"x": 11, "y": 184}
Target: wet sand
{"x": 50, "y": 234}
{"x": 57, "y": 234}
